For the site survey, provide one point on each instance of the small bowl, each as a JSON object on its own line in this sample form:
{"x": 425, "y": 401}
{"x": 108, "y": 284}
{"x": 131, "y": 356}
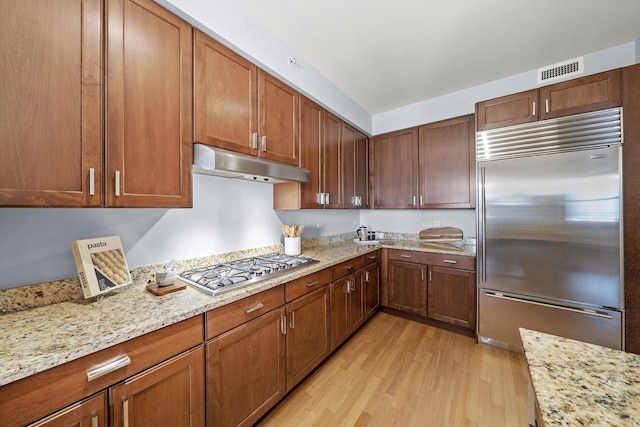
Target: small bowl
{"x": 166, "y": 277}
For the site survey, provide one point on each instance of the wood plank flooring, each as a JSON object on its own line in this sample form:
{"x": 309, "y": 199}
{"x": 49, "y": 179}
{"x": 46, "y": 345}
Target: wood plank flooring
{"x": 397, "y": 372}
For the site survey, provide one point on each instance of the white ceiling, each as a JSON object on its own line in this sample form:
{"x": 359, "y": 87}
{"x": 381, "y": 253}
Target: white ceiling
{"x": 386, "y": 54}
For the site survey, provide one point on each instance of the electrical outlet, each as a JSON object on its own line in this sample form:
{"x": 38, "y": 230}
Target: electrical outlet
{"x": 436, "y": 223}
{"x": 427, "y": 224}
{"x": 319, "y": 226}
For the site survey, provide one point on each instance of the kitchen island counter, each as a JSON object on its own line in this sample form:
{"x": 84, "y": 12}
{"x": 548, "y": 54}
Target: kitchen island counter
{"x": 43, "y": 337}
{"x": 580, "y": 384}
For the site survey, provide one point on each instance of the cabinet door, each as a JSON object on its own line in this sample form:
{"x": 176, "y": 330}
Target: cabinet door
{"x": 51, "y": 109}
{"x": 170, "y": 394}
{"x": 332, "y": 161}
{"x": 371, "y": 289}
{"x": 246, "y": 371}
{"x": 354, "y": 168}
{"x": 311, "y": 152}
{"x": 225, "y": 97}
{"x": 149, "y": 106}
{"x": 452, "y": 296}
{"x": 356, "y": 301}
{"x": 91, "y": 412}
{"x": 339, "y": 311}
{"x": 408, "y": 287}
{"x": 278, "y": 118}
{"x": 590, "y": 93}
{"x": 307, "y": 335}
{"x": 447, "y": 164}
{"x": 395, "y": 170}
{"x": 362, "y": 170}
{"x": 507, "y": 110}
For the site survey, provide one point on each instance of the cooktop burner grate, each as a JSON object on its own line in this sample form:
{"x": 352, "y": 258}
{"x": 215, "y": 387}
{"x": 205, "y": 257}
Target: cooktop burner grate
{"x": 234, "y": 274}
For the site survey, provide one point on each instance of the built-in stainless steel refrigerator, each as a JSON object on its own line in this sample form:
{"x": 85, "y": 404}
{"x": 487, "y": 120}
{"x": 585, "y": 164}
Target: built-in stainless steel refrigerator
{"x": 550, "y": 240}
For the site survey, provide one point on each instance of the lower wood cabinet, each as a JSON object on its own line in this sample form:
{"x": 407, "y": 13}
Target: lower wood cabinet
{"x": 246, "y": 371}
{"x": 307, "y": 334}
{"x": 371, "y": 290}
{"x": 169, "y": 394}
{"x": 89, "y": 412}
{"x": 347, "y": 307}
{"x": 452, "y": 296}
{"x": 407, "y": 287}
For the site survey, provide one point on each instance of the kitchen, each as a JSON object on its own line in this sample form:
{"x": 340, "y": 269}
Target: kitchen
{"x": 153, "y": 236}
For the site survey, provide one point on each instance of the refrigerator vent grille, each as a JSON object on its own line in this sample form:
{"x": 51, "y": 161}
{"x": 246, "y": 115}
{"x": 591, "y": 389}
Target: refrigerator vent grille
{"x": 597, "y": 129}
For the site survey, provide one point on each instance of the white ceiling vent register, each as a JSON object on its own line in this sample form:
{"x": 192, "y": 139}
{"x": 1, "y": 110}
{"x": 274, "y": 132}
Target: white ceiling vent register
{"x": 561, "y": 70}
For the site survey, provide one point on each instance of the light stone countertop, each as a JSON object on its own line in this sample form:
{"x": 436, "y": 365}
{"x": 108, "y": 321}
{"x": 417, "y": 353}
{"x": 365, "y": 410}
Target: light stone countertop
{"x": 43, "y": 337}
{"x": 580, "y": 384}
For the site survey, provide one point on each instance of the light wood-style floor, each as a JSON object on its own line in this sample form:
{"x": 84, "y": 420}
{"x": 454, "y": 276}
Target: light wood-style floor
{"x": 397, "y": 372}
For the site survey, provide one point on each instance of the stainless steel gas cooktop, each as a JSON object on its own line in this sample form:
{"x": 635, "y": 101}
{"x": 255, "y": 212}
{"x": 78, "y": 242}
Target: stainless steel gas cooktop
{"x": 234, "y": 274}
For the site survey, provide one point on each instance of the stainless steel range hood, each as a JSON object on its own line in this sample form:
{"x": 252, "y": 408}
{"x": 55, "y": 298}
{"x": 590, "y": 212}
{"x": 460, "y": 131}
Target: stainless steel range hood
{"x": 215, "y": 161}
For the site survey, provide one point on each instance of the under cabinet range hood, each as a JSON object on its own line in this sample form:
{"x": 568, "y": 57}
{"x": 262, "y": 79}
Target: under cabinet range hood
{"x": 215, "y": 161}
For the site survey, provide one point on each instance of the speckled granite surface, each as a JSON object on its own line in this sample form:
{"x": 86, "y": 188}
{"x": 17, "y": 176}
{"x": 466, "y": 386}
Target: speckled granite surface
{"x": 579, "y": 384}
{"x": 46, "y": 336}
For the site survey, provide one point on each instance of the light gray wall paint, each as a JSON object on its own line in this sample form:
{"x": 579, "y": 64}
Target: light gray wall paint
{"x": 463, "y": 102}
{"x": 412, "y": 221}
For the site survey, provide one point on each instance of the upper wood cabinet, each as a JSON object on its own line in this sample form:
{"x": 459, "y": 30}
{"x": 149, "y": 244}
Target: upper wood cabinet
{"x": 581, "y": 95}
{"x": 51, "y": 119}
{"x": 507, "y": 110}
{"x": 241, "y": 108}
{"x": 51, "y": 109}
{"x": 432, "y": 166}
{"x": 447, "y": 164}
{"x": 149, "y": 106}
{"x": 355, "y": 157}
{"x": 394, "y": 166}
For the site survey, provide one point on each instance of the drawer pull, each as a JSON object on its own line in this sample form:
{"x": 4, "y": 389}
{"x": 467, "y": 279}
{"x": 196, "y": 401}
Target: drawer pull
{"x": 405, "y": 256}
{"x": 125, "y": 412}
{"x": 373, "y": 257}
{"x": 449, "y": 261}
{"x": 94, "y": 420}
{"x": 108, "y": 367}
{"x": 349, "y": 267}
{"x": 251, "y": 309}
{"x": 312, "y": 283}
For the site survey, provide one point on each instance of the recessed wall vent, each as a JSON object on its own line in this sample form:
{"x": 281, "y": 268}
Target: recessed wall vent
{"x": 561, "y": 70}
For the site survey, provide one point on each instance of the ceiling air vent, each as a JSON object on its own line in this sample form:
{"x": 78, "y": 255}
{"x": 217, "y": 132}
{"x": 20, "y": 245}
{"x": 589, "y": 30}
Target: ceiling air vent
{"x": 561, "y": 70}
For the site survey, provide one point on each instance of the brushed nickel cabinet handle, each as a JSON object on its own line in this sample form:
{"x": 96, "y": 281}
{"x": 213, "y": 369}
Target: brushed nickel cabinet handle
{"x": 421, "y": 203}
{"x": 414, "y": 201}
{"x": 125, "y": 412}
{"x": 533, "y": 109}
{"x": 94, "y": 420}
{"x": 92, "y": 182}
{"x": 117, "y": 183}
{"x": 405, "y": 256}
{"x": 366, "y": 276}
{"x": 449, "y": 261}
{"x": 326, "y": 198}
{"x": 253, "y": 308}
{"x": 373, "y": 257}
{"x": 312, "y": 283}
{"x": 254, "y": 140}
{"x": 546, "y": 105}
{"x": 108, "y": 367}
{"x": 283, "y": 325}
{"x": 263, "y": 142}
{"x": 292, "y": 320}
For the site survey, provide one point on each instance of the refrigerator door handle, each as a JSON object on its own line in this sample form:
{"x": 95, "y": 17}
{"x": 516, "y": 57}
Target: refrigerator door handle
{"x": 483, "y": 228}
{"x": 576, "y": 310}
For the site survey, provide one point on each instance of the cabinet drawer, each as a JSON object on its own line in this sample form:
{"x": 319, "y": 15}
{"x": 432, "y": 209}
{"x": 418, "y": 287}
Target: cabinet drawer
{"x": 463, "y": 262}
{"x": 454, "y": 261}
{"x": 372, "y": 257}
{"x": 347, "y": 267}
{"x": 231, "y": 315}
{"x": 41, "y": 394}
{"x": 303, "y": 285}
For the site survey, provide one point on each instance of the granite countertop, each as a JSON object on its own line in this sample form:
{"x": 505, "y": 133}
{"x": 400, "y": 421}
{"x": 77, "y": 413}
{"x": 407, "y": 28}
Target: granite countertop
{"x": 580, "y": 384}
{"x": 43, "y": 337}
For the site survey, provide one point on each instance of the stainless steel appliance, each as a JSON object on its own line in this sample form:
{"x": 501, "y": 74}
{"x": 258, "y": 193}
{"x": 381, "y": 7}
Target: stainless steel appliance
{"x": 550, "y": 230}
{"x": 231, "y": 275}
